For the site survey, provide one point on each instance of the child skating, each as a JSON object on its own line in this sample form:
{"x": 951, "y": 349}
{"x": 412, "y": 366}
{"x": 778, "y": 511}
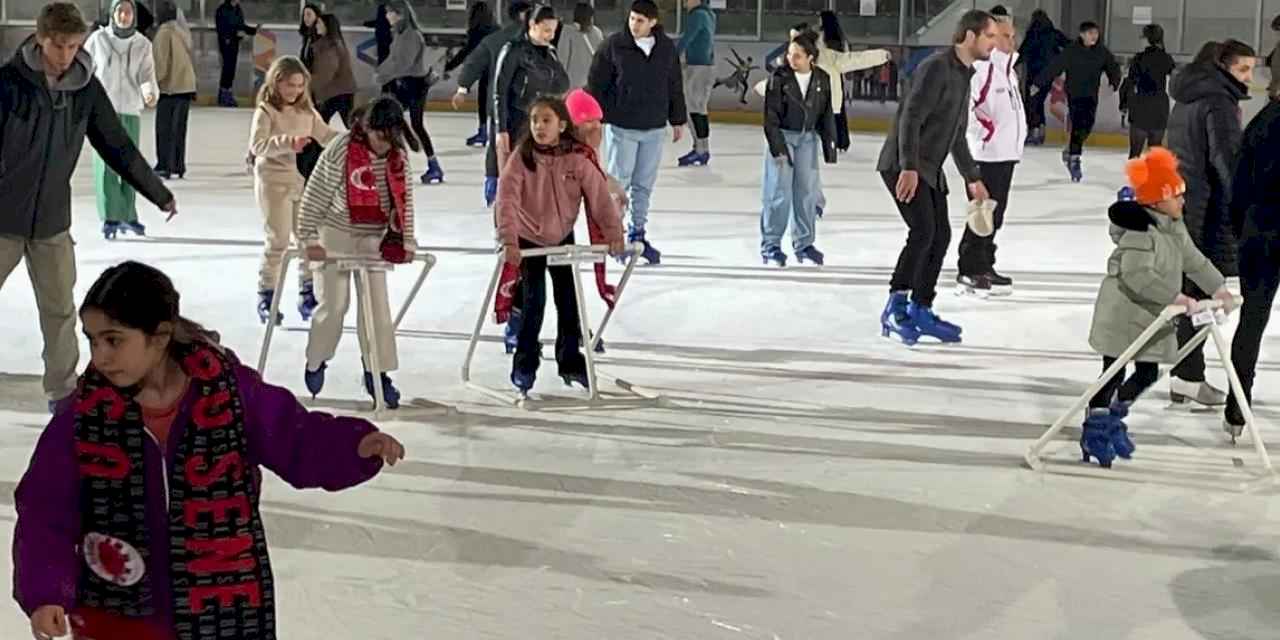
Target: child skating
{"x": 138, "y": 516}
{"x": 359, "y": 201}
{"x": 284, "y": 123}
{"x": 1153, "y": 251}
{"x": 548, "y": 177}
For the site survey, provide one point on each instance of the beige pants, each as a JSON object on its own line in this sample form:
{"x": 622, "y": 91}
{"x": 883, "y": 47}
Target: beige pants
{"x": 51, "y": 264}
{"x": 334, "y": 293}
{"x": 279, "y": 203}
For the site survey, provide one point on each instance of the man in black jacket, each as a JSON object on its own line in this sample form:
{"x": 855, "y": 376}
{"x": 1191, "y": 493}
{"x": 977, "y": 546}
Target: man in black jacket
{"x": 49, "y": 102}
{"x": 931, "y": 123}
{"x": 230, "y": 23}
{"x": 1084, "y": 61}
{"x": 636, "y": 77}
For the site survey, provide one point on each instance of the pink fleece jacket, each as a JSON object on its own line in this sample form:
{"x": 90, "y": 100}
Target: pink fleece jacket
{"x": 542, "y": 206}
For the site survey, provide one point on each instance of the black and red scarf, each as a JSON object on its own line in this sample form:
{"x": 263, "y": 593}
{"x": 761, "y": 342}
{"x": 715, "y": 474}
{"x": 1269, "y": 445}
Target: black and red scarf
{"x": 364, "y": 205}
{"x": 220, "y": 572}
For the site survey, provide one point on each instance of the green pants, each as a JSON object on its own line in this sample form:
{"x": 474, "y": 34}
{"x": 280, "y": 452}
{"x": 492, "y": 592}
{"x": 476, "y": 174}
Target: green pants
{"x": 116, "y": 199}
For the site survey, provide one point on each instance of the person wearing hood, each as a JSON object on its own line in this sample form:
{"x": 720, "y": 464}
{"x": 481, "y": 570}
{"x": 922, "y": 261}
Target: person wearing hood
{"x": 176, "y": 75}
{"x": 50, "y": 102}
{"x": 230, "y": 24}
{"x": 1042, "y": 44}
{"x": 1083, "y": 61}
{"x": 124, "y": 64}
{"x": 527, "y": 68}
{"x": 1142, "y": 94}
{"x": 1204, "y": 132}
{"x": 406, "y": 66}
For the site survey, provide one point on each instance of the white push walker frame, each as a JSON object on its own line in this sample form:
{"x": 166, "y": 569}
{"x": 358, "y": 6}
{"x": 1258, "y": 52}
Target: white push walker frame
{"x": 361, "y": 265}
{"x": 1212, "y": 329}
{"x": 572, "y": 255}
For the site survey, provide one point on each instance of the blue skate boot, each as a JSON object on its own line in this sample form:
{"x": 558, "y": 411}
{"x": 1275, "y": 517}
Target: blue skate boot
{"x": 135, "y": 227}
{"x": 1096, "y": 440}
{"x": 264, "y": 306}
{"x": 1126, "y": 194}
{"x": 895, "y": 321}
{"x": 511, "y": 335}
{"x": 774, "y": 256}
{"x": 434, "y": 174}
{"x": 490, "y": 190}
{"x": 523, "y": 381}
{"x": 810, "y": 254}
{"x": 1120, "y": 441}
{"x": 929, "y": 324}
{"x": 389, "y": 391}
{"x": 314, "y": 379}
{"x": 110, "y": 229}
{"x": 307, "y": 301}
{"x": 480, "y": 139}
{"x": 1075, "y": 168}
{"x": 650, "y": 254}
{"x": 694, "y": 159}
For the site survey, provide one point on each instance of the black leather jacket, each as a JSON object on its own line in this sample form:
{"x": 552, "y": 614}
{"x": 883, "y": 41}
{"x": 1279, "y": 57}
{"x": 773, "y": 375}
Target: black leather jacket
{"x": 786, "y": 109}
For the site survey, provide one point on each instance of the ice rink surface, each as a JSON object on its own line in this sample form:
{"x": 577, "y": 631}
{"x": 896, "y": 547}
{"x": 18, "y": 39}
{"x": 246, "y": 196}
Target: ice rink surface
{"x": 805, "y": 479}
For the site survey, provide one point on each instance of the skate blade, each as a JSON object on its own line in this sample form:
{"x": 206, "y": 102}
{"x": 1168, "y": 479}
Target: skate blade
{"x": 963, "y": 291}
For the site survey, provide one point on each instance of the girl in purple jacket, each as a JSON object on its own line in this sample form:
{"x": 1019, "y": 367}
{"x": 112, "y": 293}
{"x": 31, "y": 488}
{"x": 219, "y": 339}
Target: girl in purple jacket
{"x": 138, "y": 517}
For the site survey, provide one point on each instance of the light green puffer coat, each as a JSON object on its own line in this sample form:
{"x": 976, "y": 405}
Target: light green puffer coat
{"x": 1144, "y": 275}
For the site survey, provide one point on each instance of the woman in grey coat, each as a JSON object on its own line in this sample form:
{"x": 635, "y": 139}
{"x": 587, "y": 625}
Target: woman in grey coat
{"x": 406, "y": 66}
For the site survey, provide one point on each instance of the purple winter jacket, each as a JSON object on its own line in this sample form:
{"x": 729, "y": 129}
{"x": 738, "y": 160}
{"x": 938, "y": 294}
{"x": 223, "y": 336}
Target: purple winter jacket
{"x": 307, "y": 449}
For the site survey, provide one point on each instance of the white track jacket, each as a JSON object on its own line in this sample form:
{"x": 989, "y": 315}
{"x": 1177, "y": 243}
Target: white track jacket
{"x": 998, "y": 120}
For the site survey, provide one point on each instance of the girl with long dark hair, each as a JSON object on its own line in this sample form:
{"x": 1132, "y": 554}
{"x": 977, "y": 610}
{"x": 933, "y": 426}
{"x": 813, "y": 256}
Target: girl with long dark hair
{"x": 333, "y": 84}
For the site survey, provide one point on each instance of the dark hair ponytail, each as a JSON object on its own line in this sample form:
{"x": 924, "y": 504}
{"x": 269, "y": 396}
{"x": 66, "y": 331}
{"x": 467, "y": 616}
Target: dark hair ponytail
{"x": 142, "y": 297}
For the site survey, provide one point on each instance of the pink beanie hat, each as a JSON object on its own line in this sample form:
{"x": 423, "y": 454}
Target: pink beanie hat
{"x": 582, "y": 107}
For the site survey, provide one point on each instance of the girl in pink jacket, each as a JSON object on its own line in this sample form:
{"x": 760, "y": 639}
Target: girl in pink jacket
{"x": 547, "y": 178}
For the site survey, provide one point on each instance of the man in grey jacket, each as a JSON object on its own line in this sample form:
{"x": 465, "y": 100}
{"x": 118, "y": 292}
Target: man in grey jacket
{"x": 931, "y": 122}
{"x": 49, "y": 102}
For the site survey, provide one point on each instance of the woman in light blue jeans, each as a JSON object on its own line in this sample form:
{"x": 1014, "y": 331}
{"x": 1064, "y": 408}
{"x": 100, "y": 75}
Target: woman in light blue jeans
{"x": 798, "y": 120}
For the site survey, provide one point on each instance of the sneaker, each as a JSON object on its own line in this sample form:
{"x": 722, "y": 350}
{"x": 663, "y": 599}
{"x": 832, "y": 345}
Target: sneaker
{"x": 810, "y": 254}
{"x": 1202, "y": 393}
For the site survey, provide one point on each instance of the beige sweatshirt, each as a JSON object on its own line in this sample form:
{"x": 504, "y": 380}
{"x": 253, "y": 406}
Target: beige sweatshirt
{"x": 271, "y": 141}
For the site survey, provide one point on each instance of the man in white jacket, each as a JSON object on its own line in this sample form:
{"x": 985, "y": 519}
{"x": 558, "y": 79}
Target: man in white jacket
{"x": 997, "y": 131}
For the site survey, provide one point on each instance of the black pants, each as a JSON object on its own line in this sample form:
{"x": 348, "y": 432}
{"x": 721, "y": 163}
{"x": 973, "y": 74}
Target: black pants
{"x": 1259, "y": 280}
{"x": 1035, "y": 106}
{"x": 842, "y": 130}
{"x": 1141, "y": 138}
{"x": 412, "y": 93}
{"x": 340, "y": 105}
{"x": 482, "y": 104}
{"x": 230, "y": 53}
{"x": 928, "y": 236}
{"x": 1191, "y": 369}
{"x": 173, "y": 112}
{"x": 1117, "y": 388}
{"x": 533, "y": 292}
{"x": 1083, "y": 112}
{"x": 978, "y": 254}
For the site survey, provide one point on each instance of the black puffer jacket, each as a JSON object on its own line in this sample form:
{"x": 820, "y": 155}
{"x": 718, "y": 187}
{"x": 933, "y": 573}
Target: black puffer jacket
{"x": 1204, "y": 132}
{"x": 525, "y": 71}
{"x": 638, "y": 91}
{"x": 1143, "y": 92}
{"x": 785, "y": 109}
{"x": 1255, "y": 187}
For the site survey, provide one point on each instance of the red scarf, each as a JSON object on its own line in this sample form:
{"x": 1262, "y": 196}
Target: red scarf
{"x": 363, "y": 202}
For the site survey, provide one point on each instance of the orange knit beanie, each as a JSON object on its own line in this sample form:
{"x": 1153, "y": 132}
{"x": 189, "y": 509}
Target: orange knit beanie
{"x": 1154, "y": 176}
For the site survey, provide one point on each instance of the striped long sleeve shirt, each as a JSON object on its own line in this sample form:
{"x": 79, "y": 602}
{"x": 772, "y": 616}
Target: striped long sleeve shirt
{"x": 324, "y": 201}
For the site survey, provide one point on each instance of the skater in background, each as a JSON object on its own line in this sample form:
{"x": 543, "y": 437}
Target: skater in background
{"x": 1042, "y": 44}
{"x": 527, "y": 68}
{"x": 1144, "y": 99}
{"x": 308, "y": 33}
{"x": 1144, "y": 275}
{"x": 698, "y": 46}
{"x": 333, "y": 83}
{"x": 778, "y": 56}
{"x": 176, "y": 78}
{"x": 930, "y": 124}
{"x": 574, "y": 47}
{"x": 359, "y": 201}
{"x": 407, "y": 67}
{"x": 636, "y": 77}
{"x": 1084, "y": 61}
{"x": 124, "y": 64}
{"x": 284, "y": 123}
{"x": 480, "y": 25}
{"x": 1255, "y": 214}
{"x": 837, "y": 62}
{"x": 382, "y": 33}
{"x": 1204, "y": 133}
{"x": 799, "y": 121}
{"x": 166, "y": 421}
{"x": 538, "y": 207}
{"x": 230, "y": 24}
{"x": 996, "y": 135}
{"x": 50, "y": 97}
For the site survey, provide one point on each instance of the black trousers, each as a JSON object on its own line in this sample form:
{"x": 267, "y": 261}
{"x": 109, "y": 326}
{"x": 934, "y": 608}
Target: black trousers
{"x": 482, "y": 104}
{"x": 412, "y": 93}
{"x": 340, "y": 105}
{"x": 1118, "y": 388}
{"x": 533, "y": 291}
{"x": 230, "y": 56}
{"x": 1191, "y": 369}
{"x": 173, "y": 112}
{"x": 1083, "y": 112}
{"x": 928, "y": 236}
{"x": 1259, "y": 280}
{"x": 842, "y": 130}
{"x": 1143, "y": 138}
{"x": 1035, "y": 106}
{"x": 978, "y": 254}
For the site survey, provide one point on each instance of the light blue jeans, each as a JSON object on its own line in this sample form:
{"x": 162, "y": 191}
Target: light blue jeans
{"x": 633, "y": 156}
{"x": 791, "y": 192}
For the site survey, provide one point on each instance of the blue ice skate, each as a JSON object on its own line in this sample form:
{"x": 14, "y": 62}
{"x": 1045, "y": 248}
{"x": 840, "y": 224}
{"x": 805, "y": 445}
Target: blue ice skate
{"x": 929, "y": 324}
{"x": 110, "y": 229}
{"x": 389, "y": 391}
{"x": 774, "y": 256}
{"x": 490, "y": 190}
{"x": 511, "y": 335}
{"x": 314, "y": 379}
{"x": 650, "y": 254}
{"x": 265, "y": 298}
{"x": 480, "y": 139}
{"x": 135, "y": 227}
{"x": 1096, "y": 439}
{"x": 307, "y": 302}
{"x": 1075, "y": 168}
{"x": 810, "y": 254}
{"x": 434, "y": 174}
{"x": 694, "y": 159}
{"x": 1120, "y": 441}
{"x": 523, "y": 381}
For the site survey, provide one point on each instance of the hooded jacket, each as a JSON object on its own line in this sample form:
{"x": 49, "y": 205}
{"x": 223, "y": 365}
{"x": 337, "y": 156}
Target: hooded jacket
{"x": 1255, "y": 187}
{"x": 542, "y": 205}
{"x": 1144, "y": 275}
{"x": 786, "y": 109}
{"x": 998, "y": 120}
{"x": 42, "y": 131}
{"x": 698, "y": 42}
{"x": 306, "y": 449}
{"x": 638, "y": 91}
{"x": 1083, "y": 65}
{"x": 126, "y": 68}
{"x": 1204, "y": 132}
{"x": 525, "y": 71}
{"x": 175, "y": 62}
{"x": 408, "y": 56}
{"x": 1143, "y": 92}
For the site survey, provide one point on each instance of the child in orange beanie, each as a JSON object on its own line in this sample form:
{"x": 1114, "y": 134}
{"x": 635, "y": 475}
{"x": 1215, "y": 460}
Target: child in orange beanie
{"x": 1144, "y": 275}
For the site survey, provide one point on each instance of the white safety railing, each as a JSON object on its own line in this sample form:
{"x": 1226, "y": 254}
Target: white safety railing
{"x": 1211, "y": 329}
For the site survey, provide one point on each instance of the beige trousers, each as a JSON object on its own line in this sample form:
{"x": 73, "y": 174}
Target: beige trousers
{"x": 279, "y": 203}
{"x": 334, "y": 293}
{"x": 51, "y": 265}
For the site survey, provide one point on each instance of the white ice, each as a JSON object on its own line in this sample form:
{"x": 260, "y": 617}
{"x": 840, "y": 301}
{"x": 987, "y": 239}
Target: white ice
{"x": 808, "y": 480}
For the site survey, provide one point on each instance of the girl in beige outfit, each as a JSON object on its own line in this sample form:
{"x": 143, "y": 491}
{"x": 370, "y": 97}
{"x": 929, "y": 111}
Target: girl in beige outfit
{"x": 283, "y": 124}
{"x": 176, "y": 75}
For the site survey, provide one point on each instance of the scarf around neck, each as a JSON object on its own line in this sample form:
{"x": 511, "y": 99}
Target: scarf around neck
{"x": 363, "y": 202}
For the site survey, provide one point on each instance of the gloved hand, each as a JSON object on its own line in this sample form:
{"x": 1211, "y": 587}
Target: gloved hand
{"x": 1191, "y": 304}
{"x": 504, "y": 298}
{"x": 1227, "y": 299}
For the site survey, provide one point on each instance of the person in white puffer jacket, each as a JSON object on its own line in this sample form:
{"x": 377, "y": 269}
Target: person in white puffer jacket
{"x": 124, "y": 64}
{"x": 996, "y": 134}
